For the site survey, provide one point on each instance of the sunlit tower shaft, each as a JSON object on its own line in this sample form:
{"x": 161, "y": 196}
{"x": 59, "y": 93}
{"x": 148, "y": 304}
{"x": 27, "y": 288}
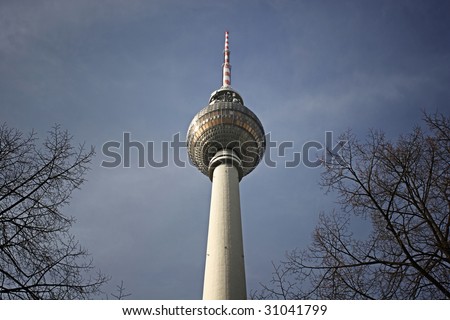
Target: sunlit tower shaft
{"x": 224, "y": 267}
{"x": 226, "y": 142}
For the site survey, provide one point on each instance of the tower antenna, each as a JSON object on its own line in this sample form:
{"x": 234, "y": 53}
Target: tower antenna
{"x": 226, "y": 67}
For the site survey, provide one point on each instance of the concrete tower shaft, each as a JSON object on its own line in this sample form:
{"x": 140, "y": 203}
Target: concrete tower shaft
{"x": 224, "y": 267}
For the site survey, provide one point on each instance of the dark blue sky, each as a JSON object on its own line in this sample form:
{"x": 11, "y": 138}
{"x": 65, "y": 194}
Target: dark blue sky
{"x": 102, "y": 68}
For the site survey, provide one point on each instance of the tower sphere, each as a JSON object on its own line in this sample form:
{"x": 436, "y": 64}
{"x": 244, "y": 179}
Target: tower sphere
{"x": 226, "y": 124}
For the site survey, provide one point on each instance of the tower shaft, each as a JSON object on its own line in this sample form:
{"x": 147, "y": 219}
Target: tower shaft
{"x": 224, "y": 268}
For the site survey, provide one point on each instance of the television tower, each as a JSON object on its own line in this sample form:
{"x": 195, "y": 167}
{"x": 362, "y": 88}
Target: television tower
{"x": 225, "y": 141}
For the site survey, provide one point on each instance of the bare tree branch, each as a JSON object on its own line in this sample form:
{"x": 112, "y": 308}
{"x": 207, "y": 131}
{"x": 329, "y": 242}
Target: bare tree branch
{"x": 401, "y": 191}
{"x": 39, "y": 258}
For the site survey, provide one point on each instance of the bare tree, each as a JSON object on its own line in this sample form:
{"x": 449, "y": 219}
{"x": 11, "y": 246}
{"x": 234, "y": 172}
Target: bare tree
{"x": 121, "y": 292}
{"x": 401, "y": 194}
{"x": 39, "y": 258}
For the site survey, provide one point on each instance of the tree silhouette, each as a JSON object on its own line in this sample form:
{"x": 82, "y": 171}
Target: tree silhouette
{"x": 39, "y": 258}
{"x": 402, "y": 192}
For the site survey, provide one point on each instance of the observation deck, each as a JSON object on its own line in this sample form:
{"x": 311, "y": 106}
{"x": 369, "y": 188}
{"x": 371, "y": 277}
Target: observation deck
{"x": 226, "y": 124}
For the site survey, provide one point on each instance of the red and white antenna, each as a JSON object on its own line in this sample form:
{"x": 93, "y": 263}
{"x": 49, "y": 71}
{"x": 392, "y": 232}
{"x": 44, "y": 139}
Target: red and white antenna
{"x": 226, "y": 67}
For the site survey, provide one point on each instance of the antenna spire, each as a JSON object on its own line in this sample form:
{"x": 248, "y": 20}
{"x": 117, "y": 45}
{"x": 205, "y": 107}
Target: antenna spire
{"x": 226, "y": 67}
